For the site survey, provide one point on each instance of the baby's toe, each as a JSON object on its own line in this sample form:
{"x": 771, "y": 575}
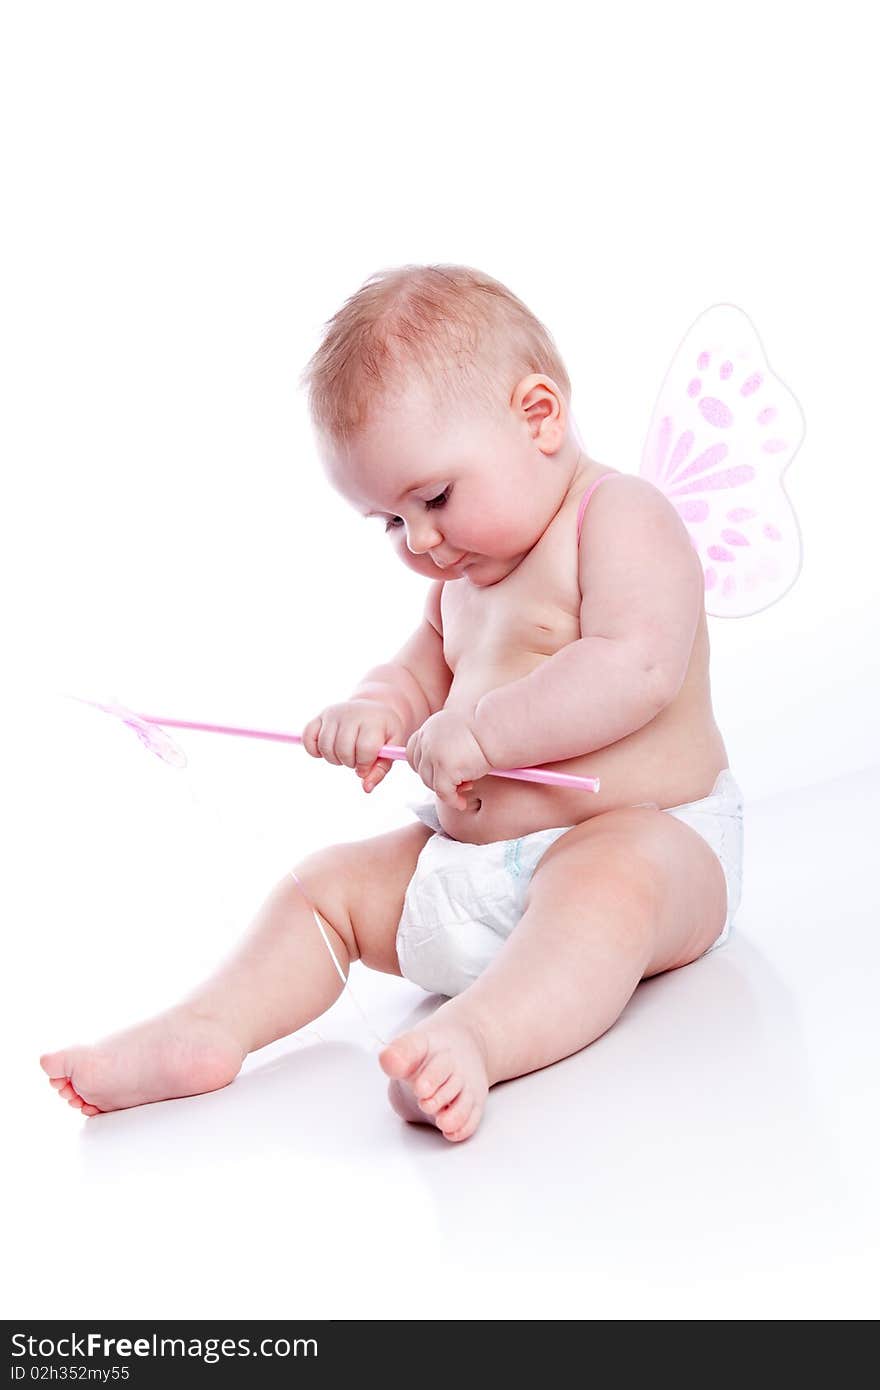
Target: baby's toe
{"x": 404, "y": 1055}
{"x": 443, "y": 1096}
{"x": 404, "y": 1104}
{"x": 56, "y": 1065}
{"x": 455, "y": 1136}
{"x": 455, "y": 1115}
{"x": 436, "y": 1072}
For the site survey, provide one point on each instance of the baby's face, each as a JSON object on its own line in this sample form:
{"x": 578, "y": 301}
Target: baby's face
{"x": 456, "y": 495}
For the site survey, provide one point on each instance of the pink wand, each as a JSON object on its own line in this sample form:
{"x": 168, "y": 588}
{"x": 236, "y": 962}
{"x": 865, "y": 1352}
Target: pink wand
{"x": 148, "y": 728}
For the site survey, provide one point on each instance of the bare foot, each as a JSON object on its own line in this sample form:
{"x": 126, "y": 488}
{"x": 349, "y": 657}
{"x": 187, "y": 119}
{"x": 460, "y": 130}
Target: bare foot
{"x": 178, "y": 1053}
{"x": 439, "y": 1076}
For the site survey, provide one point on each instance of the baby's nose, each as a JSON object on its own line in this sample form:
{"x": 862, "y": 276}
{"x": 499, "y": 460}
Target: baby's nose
{"x": 420, "y": 541}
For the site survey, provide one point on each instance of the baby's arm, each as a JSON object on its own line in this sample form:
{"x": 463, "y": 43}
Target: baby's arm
{"x": 417, "y": 681}
{"x": 642, "y": 594}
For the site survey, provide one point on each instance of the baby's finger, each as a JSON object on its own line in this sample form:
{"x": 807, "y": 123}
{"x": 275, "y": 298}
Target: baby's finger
{"x": 376, "y": 773}
{"x": 345, "y": 747}
{"x": 367, "y": 749}
{"x": 310, "y": 737}
{"x": 449, "y": 794}
{"x": 327, "y": 740}
{"x": 364, "y": 766}
{"x": 412, "y": 751}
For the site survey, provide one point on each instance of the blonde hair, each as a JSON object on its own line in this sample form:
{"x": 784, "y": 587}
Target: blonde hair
{"x": 465, "y": 334}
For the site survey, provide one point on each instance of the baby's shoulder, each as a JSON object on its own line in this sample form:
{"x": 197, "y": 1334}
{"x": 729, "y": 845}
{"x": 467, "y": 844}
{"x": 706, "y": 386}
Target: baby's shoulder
{"x": 625, "y": 488}
{"x": 623, "y": 506}
{"x": 632, "y": 535}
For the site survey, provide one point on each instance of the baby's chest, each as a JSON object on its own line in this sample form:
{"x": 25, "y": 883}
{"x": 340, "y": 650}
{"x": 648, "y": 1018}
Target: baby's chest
{"x": 536, "y": 610}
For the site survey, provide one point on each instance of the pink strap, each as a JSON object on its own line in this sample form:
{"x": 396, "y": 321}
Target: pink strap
{"x": 586, "y": 497}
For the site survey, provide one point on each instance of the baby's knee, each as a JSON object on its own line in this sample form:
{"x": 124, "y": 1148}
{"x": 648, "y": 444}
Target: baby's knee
{"x": 324, "y": 880}
{"x": 364, "y": 883}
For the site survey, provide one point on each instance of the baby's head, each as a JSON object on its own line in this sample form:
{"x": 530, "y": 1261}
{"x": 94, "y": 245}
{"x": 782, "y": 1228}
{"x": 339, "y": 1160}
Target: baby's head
{"x": 441, "y": 406}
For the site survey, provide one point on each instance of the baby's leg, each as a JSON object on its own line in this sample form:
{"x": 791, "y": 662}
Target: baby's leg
{"x": 624, "y": 895}
{"x": 280, "y": 978}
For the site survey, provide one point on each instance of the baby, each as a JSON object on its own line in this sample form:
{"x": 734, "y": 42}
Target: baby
{"x": 564, "y": 626}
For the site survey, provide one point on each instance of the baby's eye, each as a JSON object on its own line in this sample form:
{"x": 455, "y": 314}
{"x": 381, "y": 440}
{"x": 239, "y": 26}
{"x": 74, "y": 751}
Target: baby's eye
{"x": 439, "y": 501}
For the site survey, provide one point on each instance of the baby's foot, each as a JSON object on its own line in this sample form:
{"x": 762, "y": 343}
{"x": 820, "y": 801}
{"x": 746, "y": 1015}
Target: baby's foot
{"x": 439, "y": 1076}
{"x": 178, "y": 1053}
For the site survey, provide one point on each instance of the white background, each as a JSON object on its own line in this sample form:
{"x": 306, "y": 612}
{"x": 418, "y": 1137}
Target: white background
{"x": 190, "y": 192}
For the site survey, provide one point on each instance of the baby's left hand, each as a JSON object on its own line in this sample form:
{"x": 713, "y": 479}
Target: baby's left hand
{"x": 445, "y": 753}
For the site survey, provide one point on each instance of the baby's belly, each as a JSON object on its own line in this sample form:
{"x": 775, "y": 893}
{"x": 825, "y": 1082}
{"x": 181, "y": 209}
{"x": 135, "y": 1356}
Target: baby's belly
{"x": 668, "y": 762}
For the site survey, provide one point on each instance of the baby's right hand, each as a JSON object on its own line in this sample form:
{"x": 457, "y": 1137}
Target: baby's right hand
{"x": 351, "y": 733}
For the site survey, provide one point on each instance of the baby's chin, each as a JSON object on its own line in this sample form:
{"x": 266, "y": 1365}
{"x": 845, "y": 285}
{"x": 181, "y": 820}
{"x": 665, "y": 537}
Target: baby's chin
{"x": 483, "y": 572}
{"x": 480, "y": 570}
{"x": 432, "y": 571}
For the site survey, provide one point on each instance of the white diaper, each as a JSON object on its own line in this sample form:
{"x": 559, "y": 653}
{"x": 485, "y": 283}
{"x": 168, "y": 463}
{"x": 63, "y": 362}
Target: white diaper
{"x": 464, "y": 900}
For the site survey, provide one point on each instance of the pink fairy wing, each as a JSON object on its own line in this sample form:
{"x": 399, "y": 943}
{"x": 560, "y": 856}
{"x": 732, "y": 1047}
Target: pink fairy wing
{"x": 723, "y": 432}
